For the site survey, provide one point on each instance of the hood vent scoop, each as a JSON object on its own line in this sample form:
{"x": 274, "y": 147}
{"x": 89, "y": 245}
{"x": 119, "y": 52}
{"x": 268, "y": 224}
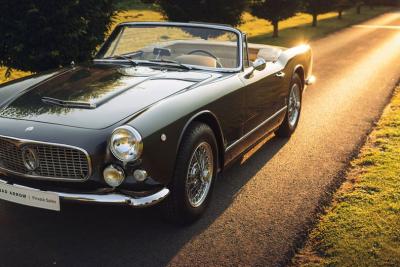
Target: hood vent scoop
{"x": 139, "y": 71}
{"x": 68, "y": 104}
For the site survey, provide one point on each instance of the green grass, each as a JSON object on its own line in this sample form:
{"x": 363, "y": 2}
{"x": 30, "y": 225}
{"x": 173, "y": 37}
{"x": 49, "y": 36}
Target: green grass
{"x": 293, "y": 31}
{"x": 15, "y": 74}
{"x": 362, "y": 227}
{"x": 298, "y": 29}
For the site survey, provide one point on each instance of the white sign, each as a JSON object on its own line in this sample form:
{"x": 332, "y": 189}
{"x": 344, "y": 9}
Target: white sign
{"x": 29, "y": 197}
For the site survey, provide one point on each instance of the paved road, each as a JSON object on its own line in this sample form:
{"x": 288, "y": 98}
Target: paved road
{"x": 261, "y": 206}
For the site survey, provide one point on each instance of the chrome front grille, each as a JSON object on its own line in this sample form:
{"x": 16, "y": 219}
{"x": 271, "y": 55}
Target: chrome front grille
{"x": 54, "y": 162}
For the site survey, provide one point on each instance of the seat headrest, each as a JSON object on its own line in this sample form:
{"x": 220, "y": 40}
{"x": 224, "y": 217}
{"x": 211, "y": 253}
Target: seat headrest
{"x": 269, "y": 54}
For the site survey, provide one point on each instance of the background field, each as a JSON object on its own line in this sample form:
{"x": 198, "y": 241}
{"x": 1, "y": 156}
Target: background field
{"x": 294, "y": 31}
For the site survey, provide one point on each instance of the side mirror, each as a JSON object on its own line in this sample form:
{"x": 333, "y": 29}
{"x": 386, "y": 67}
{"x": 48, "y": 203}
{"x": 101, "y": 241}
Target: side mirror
{"x": 258, "y": 65}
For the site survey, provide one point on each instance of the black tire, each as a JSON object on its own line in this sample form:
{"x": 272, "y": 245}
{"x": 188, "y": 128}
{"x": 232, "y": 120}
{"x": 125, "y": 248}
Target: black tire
{"x": 286, "y": 129}
{"x": 177, "y": 207}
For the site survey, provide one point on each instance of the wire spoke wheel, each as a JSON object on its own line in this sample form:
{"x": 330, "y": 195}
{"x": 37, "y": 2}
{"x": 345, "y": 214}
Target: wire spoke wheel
{"x": 294, "y": 105}
{"x": 199, "y": 175}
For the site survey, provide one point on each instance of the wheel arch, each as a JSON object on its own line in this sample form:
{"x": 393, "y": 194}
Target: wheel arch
{"x": 299, "y": 70}
{"x": 209, "y": 118}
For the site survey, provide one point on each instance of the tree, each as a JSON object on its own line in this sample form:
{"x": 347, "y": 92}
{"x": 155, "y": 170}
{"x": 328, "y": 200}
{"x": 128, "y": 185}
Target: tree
{"x": 358, "y": 4}
{"x": 342, "y": 5}
{"x": 213, "y": 11}
{"x": 37, "y": 35}
{"x": 370, "y": 3}
{"x": 317, "y": 7}
{"x": 274, "y": 11}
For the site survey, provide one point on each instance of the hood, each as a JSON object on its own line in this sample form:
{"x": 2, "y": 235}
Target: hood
{"x": 97, "y": 96}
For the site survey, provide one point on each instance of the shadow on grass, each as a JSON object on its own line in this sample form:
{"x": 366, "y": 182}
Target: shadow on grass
{"x": 305, "y": 33}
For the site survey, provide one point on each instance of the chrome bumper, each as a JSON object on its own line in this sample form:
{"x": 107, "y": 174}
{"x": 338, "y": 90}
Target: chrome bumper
{"x": 107, "y": 198}
{"x": 117, "y": 199}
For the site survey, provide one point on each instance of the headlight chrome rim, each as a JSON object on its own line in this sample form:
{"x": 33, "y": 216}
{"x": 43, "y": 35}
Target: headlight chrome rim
{"x": 135, "y": 151}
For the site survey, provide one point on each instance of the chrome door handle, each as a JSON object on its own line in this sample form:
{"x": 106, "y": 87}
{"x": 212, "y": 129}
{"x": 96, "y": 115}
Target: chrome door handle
{"x": 280, "y": 74}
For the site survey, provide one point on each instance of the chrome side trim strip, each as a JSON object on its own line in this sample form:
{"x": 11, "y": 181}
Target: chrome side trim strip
{"x": 26, "y": 141}
{"x": 255, "y": 129}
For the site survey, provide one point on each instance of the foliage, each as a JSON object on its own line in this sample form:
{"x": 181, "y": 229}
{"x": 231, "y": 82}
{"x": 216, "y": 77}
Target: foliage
{"x": 133, "y": 5}
{"x": 272, "y": 11}
{"x": 358, "y": 4}
{"x": 372, "y": 3}
{"x": 341, "y": 5}
{"x": 37, "y": 35}
{"x": 317, "y": 7}
{"x": 213, "y": 11}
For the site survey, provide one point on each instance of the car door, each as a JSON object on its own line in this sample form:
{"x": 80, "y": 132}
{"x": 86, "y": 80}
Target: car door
{"x": 263, "y": 97}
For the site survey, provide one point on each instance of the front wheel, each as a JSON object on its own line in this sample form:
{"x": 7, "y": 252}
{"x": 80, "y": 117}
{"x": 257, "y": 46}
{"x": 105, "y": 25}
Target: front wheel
{"x": 289, "y": 124}
{"x": 194, "y": 175}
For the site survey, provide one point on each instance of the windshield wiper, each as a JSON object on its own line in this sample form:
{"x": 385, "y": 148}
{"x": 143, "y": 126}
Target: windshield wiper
{"x": 158, "y": 62}
{"x": 68, "y": 104}
{"x": 173, "y": 62}
{"x": 134, "y": 63}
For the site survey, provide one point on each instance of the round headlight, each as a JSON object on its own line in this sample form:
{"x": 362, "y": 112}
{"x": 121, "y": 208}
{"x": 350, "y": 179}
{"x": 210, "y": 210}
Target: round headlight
{"x": 126, "y": 144}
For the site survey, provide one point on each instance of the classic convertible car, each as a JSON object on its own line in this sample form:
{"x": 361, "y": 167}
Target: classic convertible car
{"x": 161, "y": 110}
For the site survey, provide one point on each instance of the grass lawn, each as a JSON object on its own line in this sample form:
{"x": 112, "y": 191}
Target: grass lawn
{"x": 298, "y": 30}
{"x": 293, "y": 31}
{"x": 15, "y": 74}
{"x": 362, "y": 227}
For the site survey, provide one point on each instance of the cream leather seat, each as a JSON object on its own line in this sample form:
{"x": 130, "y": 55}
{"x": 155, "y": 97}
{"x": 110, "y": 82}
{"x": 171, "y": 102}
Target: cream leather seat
{"x": 197, "y": 60}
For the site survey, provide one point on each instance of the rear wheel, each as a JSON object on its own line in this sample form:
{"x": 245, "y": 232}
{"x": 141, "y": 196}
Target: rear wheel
{"x": 289, "y": 125}
{"x": 194, "y": 175}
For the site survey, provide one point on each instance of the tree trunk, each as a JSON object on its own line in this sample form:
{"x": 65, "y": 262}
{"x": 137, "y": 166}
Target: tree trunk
{"x": 359, "y": 9}
{"x": 8, "y": 73}
{"x": 276, "y": 29}
{"x": 314, "y": 20}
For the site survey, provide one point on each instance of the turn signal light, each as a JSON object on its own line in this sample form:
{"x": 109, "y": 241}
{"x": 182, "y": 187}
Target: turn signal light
{"x": 140, "y": 175}
{"x": 114, "y": 175}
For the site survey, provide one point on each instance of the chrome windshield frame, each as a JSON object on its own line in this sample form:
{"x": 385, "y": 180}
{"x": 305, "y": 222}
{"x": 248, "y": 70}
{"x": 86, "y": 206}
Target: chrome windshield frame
{"x": 239, "y": 34}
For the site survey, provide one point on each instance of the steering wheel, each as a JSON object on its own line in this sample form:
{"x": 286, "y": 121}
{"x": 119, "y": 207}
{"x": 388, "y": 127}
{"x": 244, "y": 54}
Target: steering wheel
{"x": 219, "y": 65}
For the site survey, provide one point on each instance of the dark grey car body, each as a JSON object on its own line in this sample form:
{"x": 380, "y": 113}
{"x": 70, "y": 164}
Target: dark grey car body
{"x": 240, "y": 108}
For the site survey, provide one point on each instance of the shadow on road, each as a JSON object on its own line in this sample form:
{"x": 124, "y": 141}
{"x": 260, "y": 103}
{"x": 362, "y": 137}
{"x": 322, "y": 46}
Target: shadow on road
{"x": 93, "y": 235}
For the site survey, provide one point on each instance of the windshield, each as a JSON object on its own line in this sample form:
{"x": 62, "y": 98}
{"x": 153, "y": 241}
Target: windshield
{"x": 202, "y": 47}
